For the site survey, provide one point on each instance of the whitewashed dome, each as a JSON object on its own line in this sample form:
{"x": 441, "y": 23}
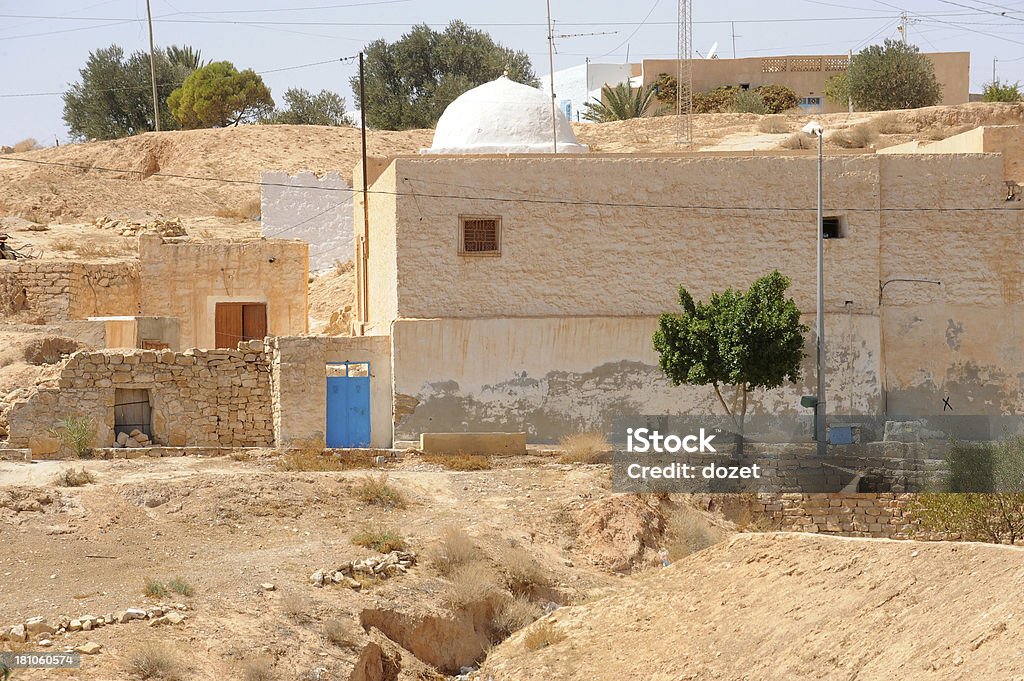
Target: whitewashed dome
{"x": 502, "y": 117}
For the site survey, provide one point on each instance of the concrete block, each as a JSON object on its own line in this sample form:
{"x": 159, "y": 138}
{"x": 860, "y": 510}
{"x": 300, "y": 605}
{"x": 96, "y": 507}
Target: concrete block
{"x": 473, "y": 443}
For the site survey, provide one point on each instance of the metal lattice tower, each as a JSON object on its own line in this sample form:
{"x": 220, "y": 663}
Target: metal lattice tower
{"x": 684, "y": 75}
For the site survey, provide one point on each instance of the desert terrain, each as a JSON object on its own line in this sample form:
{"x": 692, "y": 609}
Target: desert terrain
{"x": 242, "y": 565}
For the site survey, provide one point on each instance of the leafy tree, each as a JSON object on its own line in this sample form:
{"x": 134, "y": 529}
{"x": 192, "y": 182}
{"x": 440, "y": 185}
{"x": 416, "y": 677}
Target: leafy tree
{"x": 666, "y": 89}
{"x": 410, "y": 82}
{"x": 997, "y": 91}
{"x": 836, "y": 90}
{"x": 777, "y": 98}
{"x": 305, "y": 108}
{"x": 982, "y": 493}
{"x": 114, "y": 97}
{"x": 892, "y": 76}
{"x": 620, "y": 103}
{"x": 748, "y": 340}
{"x": 218, "y": 95}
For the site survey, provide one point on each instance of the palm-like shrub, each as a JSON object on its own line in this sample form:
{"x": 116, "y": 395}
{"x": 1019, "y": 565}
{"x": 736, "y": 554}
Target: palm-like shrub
{"x": 620, "y": 103}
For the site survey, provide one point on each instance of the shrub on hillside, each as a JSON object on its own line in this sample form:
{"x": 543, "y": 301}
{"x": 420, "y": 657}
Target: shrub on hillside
{"x": 748, "y": 101}
{"x": 588, "y": 447}
{"x": 857, "y": 137}
{"x": 1002, "y": 92}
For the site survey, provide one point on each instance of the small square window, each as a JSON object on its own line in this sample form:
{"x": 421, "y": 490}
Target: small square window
{"x": 479, "y": 235}
{"x": 832, "y": 227}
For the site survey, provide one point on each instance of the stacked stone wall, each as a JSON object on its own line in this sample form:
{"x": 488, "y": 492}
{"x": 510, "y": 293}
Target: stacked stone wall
{"x": 62, "y": 290}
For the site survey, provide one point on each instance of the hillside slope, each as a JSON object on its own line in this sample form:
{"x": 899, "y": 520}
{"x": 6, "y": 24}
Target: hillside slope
{"x": 796, "y": 606}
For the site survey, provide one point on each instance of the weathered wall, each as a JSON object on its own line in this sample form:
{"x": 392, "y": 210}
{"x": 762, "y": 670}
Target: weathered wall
{"x": 199, "y": 398}
{"x": 806, "y": 74}
{"x": 621, "y": 241}
{"x": 62, "y": 290}
{"x": 885, "y": 515}
{"x": 551, "y": 377}
{"x": 187, "y": 280}
{"x": 317, "y": 210}
{"x": 1006, "y": 140}
{"x": 381, "y": 266}
{"x": 299, "y": 370}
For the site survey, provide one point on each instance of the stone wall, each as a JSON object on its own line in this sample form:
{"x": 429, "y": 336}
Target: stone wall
{"x": 854, "y": 515}
{"x": 59, "y": 290}
{"x": 199, "y": 398}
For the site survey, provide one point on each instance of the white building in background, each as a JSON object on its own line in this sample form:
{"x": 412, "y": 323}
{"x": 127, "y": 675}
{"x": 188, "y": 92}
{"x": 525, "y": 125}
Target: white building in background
{"x": 317, "y": 210}
{"x": 577, "y": 85}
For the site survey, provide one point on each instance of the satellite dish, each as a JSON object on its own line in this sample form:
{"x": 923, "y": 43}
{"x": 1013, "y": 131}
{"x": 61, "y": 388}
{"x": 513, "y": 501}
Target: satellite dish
{"x": 713, "y": 52}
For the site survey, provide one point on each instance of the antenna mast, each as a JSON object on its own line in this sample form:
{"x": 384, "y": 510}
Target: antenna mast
{"x": 684, "y": 75}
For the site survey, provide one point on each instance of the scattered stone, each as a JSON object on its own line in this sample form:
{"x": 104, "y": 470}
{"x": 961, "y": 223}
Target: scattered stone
{"x": 44, "y": 643}
{"x": 134, "y": 614}
{"x": 75, "y": 625}
{"x": 89, "y": 648}
{"x": 392, "y": 565}
{"x": 122, "y": 438}
{"x": 174, "y": 617}
{"x": 17, "y": 633}
{"x": 267, "y": 586}
{"x": 147, "y": 223}
{"x": 317, "y": 578}
{"x": 38, "y": 625}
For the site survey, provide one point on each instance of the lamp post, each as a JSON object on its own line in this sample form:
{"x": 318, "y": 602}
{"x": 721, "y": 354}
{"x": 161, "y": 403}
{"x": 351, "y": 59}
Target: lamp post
{"x": 820, "y": 434}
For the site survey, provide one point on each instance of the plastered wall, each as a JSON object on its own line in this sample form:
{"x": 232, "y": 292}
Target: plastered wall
{"x": 187, "y": 280}
{"x": 317, "y": 210}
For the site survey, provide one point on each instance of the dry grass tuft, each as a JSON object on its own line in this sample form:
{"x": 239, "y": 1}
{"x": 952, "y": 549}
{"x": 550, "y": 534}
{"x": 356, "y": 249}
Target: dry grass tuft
{"x": 250, "y": 210}
{"x": 797, "y": 141}
{"x": 460, "y": 461}
{"x": 154, "y": 588}
{"x": 260, "y": 668}
{"x": 514, "y": 614}
{"x": 180, "y": 587}
{"x": 857, "y": 137}
{"x": 471, "y": 583}
{"x": 377, "y": 491}
{"x": 773, "y": 124}
{"x": 380, "y": 539}
{"x": 892, "y": 123}
{"x": 455, "y": 549}
{"x": 689, "y": 533}
{"x": 522, "y": 572}
{"x": 155, "y": 661}
{"x": 309, "y": 455}
{"x": 27, "y": 144}
{"x": 543, "y": 635}
{"x": 293, "y": 606}
{"x": 87, "y": 250}
{"x": 72, "y": 477}
{"x": 585, "y": 448}
{"x": 340, "y": 634}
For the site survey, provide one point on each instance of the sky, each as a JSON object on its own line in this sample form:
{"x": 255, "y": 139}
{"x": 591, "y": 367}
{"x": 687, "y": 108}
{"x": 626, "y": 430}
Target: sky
{"x": 43, "y": 44}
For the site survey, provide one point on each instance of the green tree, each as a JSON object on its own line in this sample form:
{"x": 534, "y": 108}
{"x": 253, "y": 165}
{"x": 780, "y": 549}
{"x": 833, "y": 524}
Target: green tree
{"x": 748, "y": 340}
{"x": 218, "y": 95}
{"x": 620, "y": 103}
{"x": 777, "y": 98}
{"x": 997, "y": 91}
{"x": 837, "y": 91}
{"x": 114, "y": 96}
{"x": 892, "y": 76}
{"x": 410, "y": 82}
{"x": 305, "y": 108}
{"x": 982, "y": 493}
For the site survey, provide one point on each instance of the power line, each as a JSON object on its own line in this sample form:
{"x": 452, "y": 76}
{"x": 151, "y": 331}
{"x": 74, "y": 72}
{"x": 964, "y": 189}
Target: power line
{"x": 502, "y": 199}
{"x": 339, "y": 60}
{"x": 1005, "y": 15}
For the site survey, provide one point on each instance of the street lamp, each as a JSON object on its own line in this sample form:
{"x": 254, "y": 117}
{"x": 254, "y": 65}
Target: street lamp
{"x": 820, "y": 434}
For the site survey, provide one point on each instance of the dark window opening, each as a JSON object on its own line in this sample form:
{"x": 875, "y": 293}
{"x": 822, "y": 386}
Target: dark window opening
{"x": 832, "y": 228}
{"x": 744, "y": 86}
{"x": 133, "y": 411}
{"x": 480, "y": 236}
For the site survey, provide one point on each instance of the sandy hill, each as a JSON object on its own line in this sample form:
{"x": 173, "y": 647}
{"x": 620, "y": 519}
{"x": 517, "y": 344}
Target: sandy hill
{"x": 69, "y": 194}
{"x": 795, "y": 606}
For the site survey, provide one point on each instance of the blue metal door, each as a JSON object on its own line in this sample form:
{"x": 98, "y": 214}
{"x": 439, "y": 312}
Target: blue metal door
{"x": 348, "y": 405}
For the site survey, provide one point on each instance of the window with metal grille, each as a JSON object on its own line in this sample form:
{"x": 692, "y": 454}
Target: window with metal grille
{"x": 480, "y": 235}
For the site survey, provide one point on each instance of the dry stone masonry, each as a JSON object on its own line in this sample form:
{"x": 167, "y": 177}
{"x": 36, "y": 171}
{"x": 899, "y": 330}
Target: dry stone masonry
{"x": 62, "y": 290}
{"x": 375, "y": 567}
{"x": 198, "y": 398}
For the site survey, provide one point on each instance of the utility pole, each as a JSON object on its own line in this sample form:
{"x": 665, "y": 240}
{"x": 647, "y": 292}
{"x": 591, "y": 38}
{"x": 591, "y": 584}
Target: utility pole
{"x": 551, "y": 68}
{"x": 848, "y": 94}
{"x": 994, "y": 60}
{"x": 365, "y": 241}
{"x": 733, "y": 23}
{"x": 903, "y": 27}
{"x": 152, "y": 69}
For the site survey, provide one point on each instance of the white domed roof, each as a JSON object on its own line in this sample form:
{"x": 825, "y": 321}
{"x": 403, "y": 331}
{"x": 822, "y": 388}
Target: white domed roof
{"x": 502, "y": 117}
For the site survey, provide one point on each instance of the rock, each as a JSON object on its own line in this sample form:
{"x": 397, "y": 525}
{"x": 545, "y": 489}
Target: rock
{"x": 157, "y": 621}
{"x": 38, "y": 625}
{"x": 135, "y": 433}
{"x": 267, "y": 586}
{"x": 89, "y": 648}
{"x": 132, "y": 443}
{"x": 318, "y": 578}
{"x": 174, "y": 617}
{"x": 44, "y": 643}
{"x": 122, "y": 438}
{"x": 75, "y": 625}
{"x": 17, "y": 633}
{"x": 134, "y": 614}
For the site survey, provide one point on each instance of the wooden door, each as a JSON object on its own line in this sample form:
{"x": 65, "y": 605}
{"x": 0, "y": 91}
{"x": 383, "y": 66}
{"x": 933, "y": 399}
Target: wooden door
{"x": 236, "y": 322}
{"x": 254, "y": 321}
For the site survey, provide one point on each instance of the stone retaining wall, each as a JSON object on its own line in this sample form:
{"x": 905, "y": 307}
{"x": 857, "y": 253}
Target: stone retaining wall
{"x": 885, "y": 515}
{"x": 199, "y": 398}
{"x": 62, "y": 290}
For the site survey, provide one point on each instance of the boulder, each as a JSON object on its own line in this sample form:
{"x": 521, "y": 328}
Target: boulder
{"x": 88, "y": 648}
{"x": 132, "y": 443}
{"x": 38, "y": 625}
{"x": 122, "y": 438}
{"x": 17, "y": 633}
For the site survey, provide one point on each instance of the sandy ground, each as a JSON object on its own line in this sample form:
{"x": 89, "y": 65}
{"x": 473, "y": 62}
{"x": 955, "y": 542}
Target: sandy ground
{"x": 795, "y": 606}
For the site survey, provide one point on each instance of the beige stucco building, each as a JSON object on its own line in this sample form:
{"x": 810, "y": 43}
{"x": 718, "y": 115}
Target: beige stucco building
{"x": 806, "y": 75}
